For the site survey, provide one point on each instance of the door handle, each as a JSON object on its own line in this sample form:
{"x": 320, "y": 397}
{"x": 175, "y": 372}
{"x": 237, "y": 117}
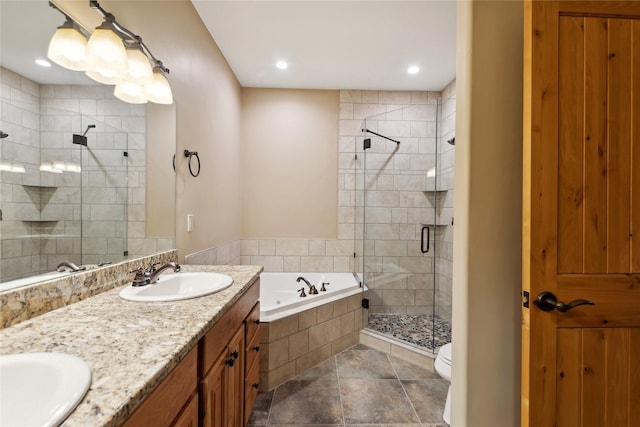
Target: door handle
{"x": 422, "y": 249}
{"x": 547, "y": 301}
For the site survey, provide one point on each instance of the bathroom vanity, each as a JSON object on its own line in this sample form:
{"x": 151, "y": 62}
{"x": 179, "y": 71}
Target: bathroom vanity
{"x": 183, "y": 363}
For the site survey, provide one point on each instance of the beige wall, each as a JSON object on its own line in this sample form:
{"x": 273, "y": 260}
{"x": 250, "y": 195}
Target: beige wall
{"x": 487, "y": 241}
{"x": 207, "y": 97}
{"x": 290, "y": 160}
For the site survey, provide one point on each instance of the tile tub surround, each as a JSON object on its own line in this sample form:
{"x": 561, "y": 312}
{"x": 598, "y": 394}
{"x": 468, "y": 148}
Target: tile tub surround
{"x": 17, "y": 305}
{"x": 130, "y": 347}
{"x": 291, "y": 345}
{"x": 357, "y": 386}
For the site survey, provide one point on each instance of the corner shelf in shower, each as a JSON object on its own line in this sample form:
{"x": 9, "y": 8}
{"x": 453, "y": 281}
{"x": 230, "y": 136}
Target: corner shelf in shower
{"x": 40, "y": 186}
{"x": 439, "y": 224}
{"x": 49, "y": 236}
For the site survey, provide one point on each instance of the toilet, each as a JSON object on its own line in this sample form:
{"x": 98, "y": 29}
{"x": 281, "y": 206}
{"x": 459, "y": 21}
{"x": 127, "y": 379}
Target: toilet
{"x": 442, "y": 366}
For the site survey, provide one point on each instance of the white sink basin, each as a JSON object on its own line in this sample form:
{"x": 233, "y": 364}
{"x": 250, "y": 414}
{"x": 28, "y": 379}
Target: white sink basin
{"x": 178, "y": 286}
{"x": 41, "y": 389}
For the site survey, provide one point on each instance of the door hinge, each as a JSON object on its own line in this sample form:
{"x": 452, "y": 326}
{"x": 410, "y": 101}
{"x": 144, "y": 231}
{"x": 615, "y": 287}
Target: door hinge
{"x": 525, "y": 299}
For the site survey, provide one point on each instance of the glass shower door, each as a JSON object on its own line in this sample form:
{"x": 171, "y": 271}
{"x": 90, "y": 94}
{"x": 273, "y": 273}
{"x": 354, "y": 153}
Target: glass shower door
{"x": 397, "y": 222}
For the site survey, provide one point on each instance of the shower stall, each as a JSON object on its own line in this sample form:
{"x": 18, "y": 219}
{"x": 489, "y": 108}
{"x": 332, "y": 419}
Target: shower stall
{"x": 404, "y": 224}
{"x": 70, "y": 199}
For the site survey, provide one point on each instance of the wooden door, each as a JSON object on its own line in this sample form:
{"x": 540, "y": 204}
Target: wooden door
{"x": 581, "y": 213}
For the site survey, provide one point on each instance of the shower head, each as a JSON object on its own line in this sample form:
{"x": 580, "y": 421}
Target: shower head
{"x": 452, "y": 141}
{"x": 3, "y": 135}
{"x": 82, "y": 139}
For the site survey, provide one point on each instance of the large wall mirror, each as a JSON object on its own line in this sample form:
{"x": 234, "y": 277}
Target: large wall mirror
{"x": 86, "y": 178}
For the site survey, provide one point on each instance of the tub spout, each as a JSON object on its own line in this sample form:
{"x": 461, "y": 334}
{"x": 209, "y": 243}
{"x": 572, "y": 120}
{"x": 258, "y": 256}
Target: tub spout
{"x": 312, "y": 288}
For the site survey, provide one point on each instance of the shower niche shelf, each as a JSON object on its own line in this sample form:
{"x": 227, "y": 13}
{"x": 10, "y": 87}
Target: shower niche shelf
{"x": 44, "y": 187}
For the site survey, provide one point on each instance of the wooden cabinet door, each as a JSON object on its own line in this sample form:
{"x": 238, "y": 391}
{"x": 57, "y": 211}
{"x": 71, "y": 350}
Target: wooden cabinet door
{"x": 222, "y": 388}
{"x": 212, "y": 394}
{"x": 189, "y": 415}
{"x": 581, "y": 214}
{"x": 235, "y": 380}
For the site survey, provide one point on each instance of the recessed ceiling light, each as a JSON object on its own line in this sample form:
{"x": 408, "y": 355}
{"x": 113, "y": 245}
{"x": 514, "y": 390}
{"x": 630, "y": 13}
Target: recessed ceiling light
{"x": 43, "y": 62}
{"x": 413, "y": 69}
{"x": 282, "y": 65}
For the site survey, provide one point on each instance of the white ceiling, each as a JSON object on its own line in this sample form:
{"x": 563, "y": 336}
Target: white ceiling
{"x": 336, "y": 44}
{"x": 328, "y": 44}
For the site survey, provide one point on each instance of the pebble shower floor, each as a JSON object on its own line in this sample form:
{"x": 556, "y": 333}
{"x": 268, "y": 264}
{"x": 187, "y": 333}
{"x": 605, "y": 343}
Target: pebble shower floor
{"x": 416, "y": 329}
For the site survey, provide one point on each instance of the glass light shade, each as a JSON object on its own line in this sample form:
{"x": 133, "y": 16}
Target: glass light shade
{"x": 106, "y": 56}
{"x": 130, "y": 92}
{"x": 139, "y": 68}
{"x": 158, "y": 90}
{"x": 68, "y": 48}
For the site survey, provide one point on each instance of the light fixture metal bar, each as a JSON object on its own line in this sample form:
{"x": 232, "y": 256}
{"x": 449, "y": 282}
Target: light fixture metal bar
{"x": 128, "y": 37}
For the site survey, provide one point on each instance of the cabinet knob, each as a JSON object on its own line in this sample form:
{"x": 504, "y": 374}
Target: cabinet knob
{"x": 257, "y": 321}
{"x": 231, "y": 361}
{"x": 235, "y": 354}
{"x": 255, "y": 385}
{"x": 256, "y": 348}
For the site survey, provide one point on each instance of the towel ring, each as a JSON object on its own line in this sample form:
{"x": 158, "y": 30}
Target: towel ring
{"x": 191, "y": 154}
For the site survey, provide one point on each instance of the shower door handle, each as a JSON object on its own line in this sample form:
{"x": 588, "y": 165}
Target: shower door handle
{"x": 422, "y": 249}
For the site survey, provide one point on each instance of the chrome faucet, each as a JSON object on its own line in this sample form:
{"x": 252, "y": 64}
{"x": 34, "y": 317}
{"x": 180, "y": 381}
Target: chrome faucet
{"x": 154, "y": 274}
{"x": 69, "y": 266}
{"x": 312, "y": 288}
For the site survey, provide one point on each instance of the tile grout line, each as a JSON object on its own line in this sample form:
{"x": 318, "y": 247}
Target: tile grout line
{"x": 271, "y": 406}
{"x": 335, "y": 361}
{"x": 404, "y": 390}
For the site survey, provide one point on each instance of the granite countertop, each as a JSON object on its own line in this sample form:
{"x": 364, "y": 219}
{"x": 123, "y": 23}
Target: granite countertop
{"x": 129, "y": 346}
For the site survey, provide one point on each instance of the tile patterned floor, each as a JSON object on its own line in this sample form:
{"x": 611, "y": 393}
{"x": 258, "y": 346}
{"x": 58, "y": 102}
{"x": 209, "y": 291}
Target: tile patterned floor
{"x": 415, "y": 329}
{"x": 359, "y": 386}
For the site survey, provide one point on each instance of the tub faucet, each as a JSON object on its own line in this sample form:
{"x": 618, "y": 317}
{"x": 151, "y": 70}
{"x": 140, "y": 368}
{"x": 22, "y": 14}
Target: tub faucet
{"x": 69, "y": 266}
{"x": 154, "y": 274}
{"x": 312, "y": 288}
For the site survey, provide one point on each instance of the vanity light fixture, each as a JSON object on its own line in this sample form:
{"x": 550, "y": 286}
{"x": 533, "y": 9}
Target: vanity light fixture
{"x": 117, "y": 56}
{"x": 158, "y": 90}
{"x": 282, "y": 65}
{"x": 413, "y": 69}
{"x": 106, "y": 56}
{"x": 68, "y": 47}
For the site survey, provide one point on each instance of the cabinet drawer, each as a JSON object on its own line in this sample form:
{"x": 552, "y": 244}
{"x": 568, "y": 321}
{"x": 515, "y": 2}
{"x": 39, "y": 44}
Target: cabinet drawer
{"x": 251, "y": 385}
{"x": 215, "y": 341}
{"x": 252, "y": 353}
{"x": 253, "y": 322}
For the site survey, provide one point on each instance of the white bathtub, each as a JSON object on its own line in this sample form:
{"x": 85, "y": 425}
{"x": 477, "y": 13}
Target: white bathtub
{"x": 279, "y": 296}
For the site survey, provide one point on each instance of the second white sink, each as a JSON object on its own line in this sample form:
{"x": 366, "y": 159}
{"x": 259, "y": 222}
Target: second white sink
{"x": 178, "y": 286}
{"x": 41, "y": 389}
